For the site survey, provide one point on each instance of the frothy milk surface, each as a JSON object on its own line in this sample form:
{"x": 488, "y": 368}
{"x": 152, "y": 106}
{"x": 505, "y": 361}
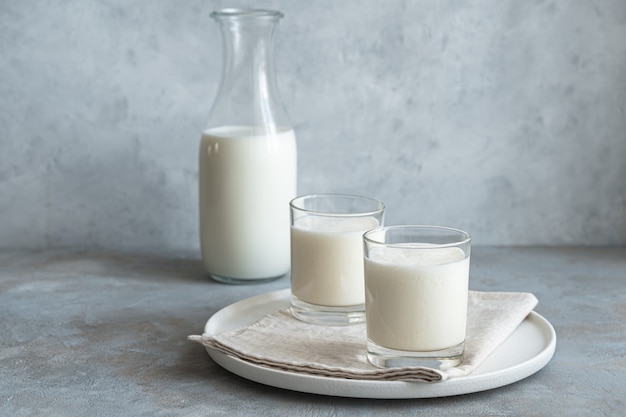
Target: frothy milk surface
{"x": 416, "y": 300}
{"x": 327, "y": 259}
{"x": 246, "y": 179}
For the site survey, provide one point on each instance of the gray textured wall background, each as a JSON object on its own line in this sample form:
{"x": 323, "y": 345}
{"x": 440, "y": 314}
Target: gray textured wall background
{"x": 504, "y": 118}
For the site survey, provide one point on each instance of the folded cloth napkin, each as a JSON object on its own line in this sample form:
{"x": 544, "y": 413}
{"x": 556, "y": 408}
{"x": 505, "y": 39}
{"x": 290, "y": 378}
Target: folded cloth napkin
{"x": 280, "y": 341}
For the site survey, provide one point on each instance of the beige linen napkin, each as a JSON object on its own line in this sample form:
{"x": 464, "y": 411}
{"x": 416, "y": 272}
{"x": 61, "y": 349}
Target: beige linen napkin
{"x": 280, "y": 341}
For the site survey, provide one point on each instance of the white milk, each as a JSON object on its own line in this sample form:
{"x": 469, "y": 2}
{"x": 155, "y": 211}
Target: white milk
{"x": 327, "y": 260}
{"x": 246, "y": 182}
{"x": 416, "y": 303}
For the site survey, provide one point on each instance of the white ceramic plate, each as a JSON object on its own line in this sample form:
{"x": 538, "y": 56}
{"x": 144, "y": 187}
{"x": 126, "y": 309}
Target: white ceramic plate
{"x": 525, "y": 352}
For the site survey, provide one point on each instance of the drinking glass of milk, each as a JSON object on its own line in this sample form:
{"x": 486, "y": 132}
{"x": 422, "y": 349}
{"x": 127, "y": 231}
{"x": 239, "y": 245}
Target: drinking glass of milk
{"x": 416, "y": 290}
{"x": 327, "y": 256}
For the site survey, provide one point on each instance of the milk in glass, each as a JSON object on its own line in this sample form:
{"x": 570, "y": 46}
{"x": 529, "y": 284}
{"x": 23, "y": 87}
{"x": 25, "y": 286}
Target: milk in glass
{"x": 416, "y": 300}
{"x": 327, "y": 259}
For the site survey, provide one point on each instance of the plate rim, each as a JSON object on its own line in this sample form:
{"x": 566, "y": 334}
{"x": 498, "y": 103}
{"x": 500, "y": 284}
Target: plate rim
{"x": 354, "y": 388}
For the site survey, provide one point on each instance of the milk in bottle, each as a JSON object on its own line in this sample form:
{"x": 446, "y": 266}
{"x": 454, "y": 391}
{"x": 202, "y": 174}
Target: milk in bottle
{"x": 247, "y": 179}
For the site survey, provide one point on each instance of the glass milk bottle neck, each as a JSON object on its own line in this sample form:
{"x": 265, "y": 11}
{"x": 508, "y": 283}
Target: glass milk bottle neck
{"x": 248, "y": 96}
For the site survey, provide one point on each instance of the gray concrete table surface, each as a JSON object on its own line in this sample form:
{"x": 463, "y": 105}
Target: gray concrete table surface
{"x": 99, "y": 334}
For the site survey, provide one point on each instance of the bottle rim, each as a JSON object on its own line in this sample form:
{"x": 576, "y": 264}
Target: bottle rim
{"x": 236, "y": 14}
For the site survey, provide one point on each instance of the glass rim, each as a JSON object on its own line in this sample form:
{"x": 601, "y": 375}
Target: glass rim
{"x": 417, "y": 245}
{"x": 242, "y": 13}
{"x": 380, "y": 204}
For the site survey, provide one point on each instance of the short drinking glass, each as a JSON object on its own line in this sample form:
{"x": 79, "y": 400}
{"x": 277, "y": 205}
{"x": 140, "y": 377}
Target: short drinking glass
{"x": 327, "y": 256}
{"x": 416, "y": 291}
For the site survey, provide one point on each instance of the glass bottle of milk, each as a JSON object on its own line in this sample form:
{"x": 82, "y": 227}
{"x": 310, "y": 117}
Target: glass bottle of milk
{"x": 248, "y": 157}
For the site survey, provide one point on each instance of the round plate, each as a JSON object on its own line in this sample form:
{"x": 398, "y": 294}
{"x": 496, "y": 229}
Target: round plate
{"x": 525, "y": 352}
